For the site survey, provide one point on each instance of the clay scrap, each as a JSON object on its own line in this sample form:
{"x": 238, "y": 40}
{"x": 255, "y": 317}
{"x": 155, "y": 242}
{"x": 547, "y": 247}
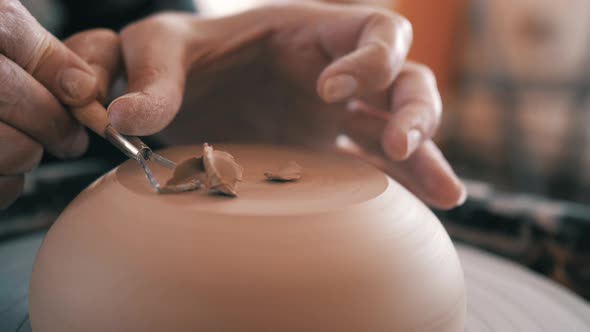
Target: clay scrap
{"x": 289, "y": 172}
{"x": 217, "y": 171}
{"x": 222, "y": 171}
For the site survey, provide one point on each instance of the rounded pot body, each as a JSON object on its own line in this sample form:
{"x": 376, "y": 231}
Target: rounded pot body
{"x": 343, "y": 249}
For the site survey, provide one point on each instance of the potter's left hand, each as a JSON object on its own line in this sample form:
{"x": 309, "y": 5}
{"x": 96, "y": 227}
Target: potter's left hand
{"x": 290, "y": 74}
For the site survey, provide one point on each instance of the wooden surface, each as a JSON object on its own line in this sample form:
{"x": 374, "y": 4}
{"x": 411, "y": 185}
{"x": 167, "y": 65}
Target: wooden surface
{"x": 501, "y": 296}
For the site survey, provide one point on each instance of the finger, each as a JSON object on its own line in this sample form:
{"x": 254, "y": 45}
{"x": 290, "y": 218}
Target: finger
{"x": 426, "y": 174}
{"x": 10, "y": 189}
{"x": 28, "y": 106}
{"x": 156, "y": 77}
{"x": 28, "y": 44}
{"x": 100, "y": 48}
{"x": 382, "y": 47}
{"x": 20, "y": 154}
{"x": 417, "y": 108}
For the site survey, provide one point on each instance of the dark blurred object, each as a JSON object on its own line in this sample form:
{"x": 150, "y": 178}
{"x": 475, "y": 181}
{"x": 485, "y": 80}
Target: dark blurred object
{"x": 113, "y": 14}
{"x": 551, "y": 237}
{"x": 47, "y": 192}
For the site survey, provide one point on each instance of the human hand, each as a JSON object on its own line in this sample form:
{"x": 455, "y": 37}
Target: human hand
{"x": 39, "y": 78}
{"x": 290, "y": 74}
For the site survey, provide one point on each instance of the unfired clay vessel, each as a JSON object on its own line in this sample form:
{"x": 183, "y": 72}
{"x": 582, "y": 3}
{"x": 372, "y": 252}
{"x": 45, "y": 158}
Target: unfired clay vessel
{"x": 344, "y": 249}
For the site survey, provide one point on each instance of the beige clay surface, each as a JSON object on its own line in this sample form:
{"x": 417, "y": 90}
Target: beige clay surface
{"x": 343, "y": 249}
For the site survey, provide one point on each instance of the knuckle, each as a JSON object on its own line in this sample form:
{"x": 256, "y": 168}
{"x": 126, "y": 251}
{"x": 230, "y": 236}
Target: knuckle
{"x": 401, "y": 25}
{"x": 21, "y": 37}
{"x": 10, "y": 7}
{"x": 424, "y": 72}
{"x": 404, "y": 26}
{"x": 381, "y": 60}
{"x": 43, "y": 49}
{"x": 427, "y": 76}
{"x": 422, "y": 76}
{"x": 393, "y": 20}
{"x": 392, "y": 42}
{"x": 10, "y": 21}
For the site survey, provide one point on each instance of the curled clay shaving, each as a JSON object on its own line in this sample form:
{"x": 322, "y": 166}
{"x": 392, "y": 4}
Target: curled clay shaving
{"x": 215, "y": 170}
{"x": 289, "y": 172}
{"x": 188, "y": 175}
{"x": 223, "y": 173}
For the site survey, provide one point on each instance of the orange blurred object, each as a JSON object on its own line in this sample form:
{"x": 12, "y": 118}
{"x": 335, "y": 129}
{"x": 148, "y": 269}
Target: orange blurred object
{"x": 435, "y": 24}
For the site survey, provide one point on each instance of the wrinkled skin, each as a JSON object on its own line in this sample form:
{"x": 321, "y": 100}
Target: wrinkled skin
{"x": 39, "y": 78}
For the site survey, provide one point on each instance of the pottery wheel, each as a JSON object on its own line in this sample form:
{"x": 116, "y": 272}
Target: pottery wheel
{"x": 502, "y": 296}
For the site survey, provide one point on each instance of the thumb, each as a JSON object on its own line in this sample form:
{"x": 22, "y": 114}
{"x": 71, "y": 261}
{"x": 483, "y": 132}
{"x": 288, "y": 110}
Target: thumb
{"x": 28, "y": 44}
{"x": 154, "y": 55}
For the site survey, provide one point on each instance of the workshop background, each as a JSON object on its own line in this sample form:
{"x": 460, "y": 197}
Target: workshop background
{"x": 515, "y": 79}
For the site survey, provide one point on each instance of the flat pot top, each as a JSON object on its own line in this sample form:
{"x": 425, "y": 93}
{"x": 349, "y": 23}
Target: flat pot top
{"x": 328, "y": 182}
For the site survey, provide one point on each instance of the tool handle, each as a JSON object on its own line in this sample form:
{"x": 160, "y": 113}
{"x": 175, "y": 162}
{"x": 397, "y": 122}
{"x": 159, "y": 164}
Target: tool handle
{"x": 93, "y": 116}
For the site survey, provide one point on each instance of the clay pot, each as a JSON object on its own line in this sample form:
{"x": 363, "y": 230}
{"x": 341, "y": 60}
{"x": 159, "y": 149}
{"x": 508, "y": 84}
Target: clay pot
{"x": 345, "y": 248}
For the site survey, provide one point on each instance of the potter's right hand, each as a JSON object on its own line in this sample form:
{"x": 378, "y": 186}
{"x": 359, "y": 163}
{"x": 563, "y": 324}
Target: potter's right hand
{"x": 39, "y": 78}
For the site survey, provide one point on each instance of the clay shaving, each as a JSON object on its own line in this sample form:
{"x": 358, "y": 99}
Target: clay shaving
{"x": 289, "y": 172}
{"x": 216, "y": 171}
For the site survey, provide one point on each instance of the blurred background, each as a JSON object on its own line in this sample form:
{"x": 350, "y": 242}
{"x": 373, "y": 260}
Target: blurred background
{"x": 515, "y": 79}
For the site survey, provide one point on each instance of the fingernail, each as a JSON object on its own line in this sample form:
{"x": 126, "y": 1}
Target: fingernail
{"x": 413, "y": 140}
{"x": 340, "y": 87}
{"x": 77, "y": 84}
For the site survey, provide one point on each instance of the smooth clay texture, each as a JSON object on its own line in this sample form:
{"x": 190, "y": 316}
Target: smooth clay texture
{"x": 344, "y": 249}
